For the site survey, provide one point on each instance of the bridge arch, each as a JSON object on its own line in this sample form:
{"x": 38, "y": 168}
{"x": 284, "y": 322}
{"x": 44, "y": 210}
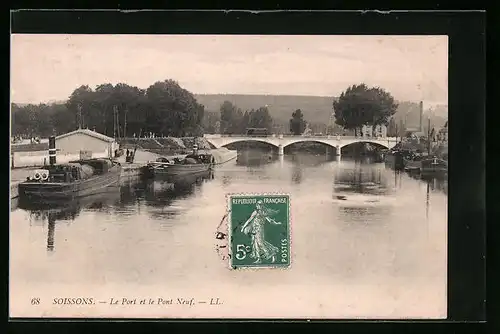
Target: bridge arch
{"x": 311, "y": 140}
{"x": 328, "y": 144}
{"x": 378, "y": 143}
{"x": 243, "y": 140}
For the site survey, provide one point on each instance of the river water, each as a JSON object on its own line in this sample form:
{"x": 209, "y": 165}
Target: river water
{"x": 364, "y": 256}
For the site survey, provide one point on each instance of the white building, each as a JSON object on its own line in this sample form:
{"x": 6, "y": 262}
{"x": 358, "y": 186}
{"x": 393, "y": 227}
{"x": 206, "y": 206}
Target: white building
{"x": 374, "y": 131}
{"x": 97, "y": 144}
{"x": 81, "y": 143}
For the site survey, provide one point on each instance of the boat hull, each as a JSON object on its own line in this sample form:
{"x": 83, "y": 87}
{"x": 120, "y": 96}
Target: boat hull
{"x": 394, "y": 160}
{"x": 174, "y": 172}
{"x": 412, "y": 165}
{"x": 434, "y": 166}
{"x": 33, "y": 191}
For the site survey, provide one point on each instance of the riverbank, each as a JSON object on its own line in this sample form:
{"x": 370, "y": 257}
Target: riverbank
{"x": 17, "y": 176}
{"x": 440, "y": 150}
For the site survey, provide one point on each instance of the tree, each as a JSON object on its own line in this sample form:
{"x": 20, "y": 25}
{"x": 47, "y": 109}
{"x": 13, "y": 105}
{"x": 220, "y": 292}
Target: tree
{"x": 80, "y": 103}
{"x": 260, "y": 118}
{"x": 210, "y": 120}
{"x": 297, "y": 122}
{"x": 392, "y": 129}
{"x": 62, "y": 119}
{"x": 228, "y": 117}
{"x": 360, "y": 105}
{"x": 172, "y": 110}
{"x": 245, "y": 121}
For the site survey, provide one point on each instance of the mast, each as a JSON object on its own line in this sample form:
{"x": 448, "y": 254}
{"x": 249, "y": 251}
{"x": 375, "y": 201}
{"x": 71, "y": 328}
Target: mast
{"x": 125, "y": 124}
{"x": 114, "y": 121}
{"x": 80, "y": 121}
{"x": 421, "y": 107}
{"x": 429, "y": 136}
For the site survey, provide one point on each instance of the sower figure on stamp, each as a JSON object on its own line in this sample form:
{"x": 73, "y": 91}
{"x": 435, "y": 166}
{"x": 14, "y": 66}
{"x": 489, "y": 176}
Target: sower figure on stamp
{"x": 254, "y": 226}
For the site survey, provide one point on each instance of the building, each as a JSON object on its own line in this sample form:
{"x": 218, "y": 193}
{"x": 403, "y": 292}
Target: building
{"x": 442, "y": 134}
{"x": 374, "y": 131}
{"x": 81, "y": 143}
{"x": 419, "y": 131}
{"x": 96, "y": 144}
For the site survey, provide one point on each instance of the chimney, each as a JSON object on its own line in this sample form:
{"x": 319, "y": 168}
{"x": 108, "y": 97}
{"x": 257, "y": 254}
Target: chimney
{"x": 52, "y": 150}
{"x": 421, "y": 115}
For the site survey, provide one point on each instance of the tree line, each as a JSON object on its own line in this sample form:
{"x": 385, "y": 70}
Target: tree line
{"x": 164, "y": 108}
{"x": 167, "y": 109}
{"x": 358, "y": 105}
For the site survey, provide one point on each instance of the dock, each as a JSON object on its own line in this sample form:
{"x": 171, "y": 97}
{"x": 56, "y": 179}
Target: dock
{"x": 17, "y": 176}
{"x": 14, "y": 190}
{"x": 132, "y": 169}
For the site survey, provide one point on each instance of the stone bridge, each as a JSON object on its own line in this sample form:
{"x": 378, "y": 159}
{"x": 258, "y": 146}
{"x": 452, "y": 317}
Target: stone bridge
{"x": 281, "y": 141}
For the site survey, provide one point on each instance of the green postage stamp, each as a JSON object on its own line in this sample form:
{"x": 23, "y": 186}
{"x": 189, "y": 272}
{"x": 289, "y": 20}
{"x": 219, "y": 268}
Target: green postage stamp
{"x": 259, "y": 227}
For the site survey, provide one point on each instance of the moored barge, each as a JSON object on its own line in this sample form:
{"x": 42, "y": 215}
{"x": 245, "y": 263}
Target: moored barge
{"x": 191, "y": 165}
{"x": 71, "y": 180}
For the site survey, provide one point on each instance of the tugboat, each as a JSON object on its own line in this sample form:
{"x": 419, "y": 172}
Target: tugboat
{"x": 69, "y": 181}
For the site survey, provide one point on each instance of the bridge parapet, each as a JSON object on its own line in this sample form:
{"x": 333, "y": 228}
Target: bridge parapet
{"x": 282, "y": 141}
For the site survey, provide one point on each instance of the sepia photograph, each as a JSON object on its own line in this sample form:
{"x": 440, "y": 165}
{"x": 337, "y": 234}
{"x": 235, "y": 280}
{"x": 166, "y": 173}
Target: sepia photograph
{"x": 228, "y": 176}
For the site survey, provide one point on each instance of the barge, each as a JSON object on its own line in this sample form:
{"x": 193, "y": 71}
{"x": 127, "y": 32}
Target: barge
{"x": 61, "y": 182}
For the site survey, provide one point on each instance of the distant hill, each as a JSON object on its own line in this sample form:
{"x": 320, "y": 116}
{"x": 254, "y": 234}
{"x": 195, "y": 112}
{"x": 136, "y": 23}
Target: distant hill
{"x": 316, "y": 109}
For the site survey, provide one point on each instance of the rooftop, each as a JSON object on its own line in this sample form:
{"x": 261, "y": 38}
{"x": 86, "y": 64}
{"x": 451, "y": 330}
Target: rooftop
{"x": 88, "y": 133}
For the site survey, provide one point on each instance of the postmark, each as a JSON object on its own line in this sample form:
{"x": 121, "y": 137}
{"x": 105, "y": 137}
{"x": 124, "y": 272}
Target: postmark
{"x": 259, "y": 230}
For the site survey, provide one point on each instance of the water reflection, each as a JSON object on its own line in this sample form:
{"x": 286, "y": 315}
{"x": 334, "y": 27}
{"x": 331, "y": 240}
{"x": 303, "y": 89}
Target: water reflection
{"x": 297, "y": 174}
{"x": 69, "y": 211}
{"x": 376, "y": 237}
{"x": 51, "y": 231}
{"x": 363, "y": 214}
{"x": 435, "y": 182}
{"x": 125, "y": 200}
{"x": 361, "y": 178}
{"x": 427, "y": 201}
{"x": 308, "y": 159}
{"x": 255, "y": 157}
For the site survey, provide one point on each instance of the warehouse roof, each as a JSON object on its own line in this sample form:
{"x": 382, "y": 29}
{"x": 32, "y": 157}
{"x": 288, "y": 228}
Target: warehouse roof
{"x": 88, "y": 133}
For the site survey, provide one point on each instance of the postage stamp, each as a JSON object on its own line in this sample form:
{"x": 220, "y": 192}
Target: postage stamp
{"x": 259, "y": 227}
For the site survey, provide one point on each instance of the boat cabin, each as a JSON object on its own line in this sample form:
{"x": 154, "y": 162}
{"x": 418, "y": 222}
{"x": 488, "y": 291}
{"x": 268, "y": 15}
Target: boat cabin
{"x": 204, "y": 158}
{"x": 162, "y": 159}
{"x": 78, "y": 170}
{"x": 190, "y": 159}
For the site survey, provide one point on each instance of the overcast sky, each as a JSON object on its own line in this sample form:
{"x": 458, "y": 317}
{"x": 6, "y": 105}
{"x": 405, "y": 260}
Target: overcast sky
{"x": 50, "y": 67}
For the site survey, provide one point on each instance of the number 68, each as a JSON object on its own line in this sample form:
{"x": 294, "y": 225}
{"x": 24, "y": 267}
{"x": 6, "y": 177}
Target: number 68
{"x": 241, "y": 251}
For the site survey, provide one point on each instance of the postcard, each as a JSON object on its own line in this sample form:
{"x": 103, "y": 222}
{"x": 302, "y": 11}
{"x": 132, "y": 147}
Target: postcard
{"x": 228, "y": 176}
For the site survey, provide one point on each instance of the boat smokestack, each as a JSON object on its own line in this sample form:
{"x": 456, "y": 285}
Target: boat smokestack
{"x": 52, "y": 150}
{"x": 195, "y": 148}
{"x": 421, "y": 115}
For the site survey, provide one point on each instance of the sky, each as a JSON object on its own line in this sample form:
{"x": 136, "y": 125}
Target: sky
{"x": 48, "y": 68}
